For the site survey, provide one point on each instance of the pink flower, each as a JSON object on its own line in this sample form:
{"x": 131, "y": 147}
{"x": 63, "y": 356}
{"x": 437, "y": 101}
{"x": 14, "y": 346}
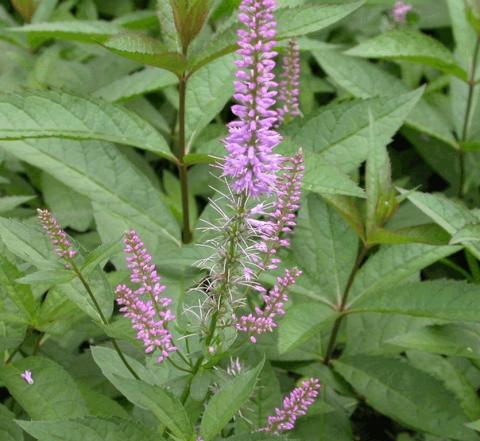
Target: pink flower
{"x": 264, "y": 319}
{"x": 400, "y": 11}
{"x": 145, "y": 307}
{"x": 27, "y": 376}
{"x": 295, "y": 405}
{"x": 61, "y": 243}
{"x": 250, "y": 160}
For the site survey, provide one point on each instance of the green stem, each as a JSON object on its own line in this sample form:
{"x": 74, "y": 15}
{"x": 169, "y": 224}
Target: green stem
{"x": 182, "y": 167}
{"x": 104, "y": 320}
{"x": 471, "y": 89}
{"x": 341, "y": 308}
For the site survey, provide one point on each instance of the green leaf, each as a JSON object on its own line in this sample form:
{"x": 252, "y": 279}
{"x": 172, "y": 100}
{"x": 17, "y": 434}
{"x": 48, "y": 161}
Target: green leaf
{"x": 47, "y": 277}
{"x": 468, "y": 233}
{"x": 145, "y": 81}
{"x": 227, "y": 402}
{"x": 53, "y": 394}
{"x": 449, "y": 300}
{"x": 208, "y": 91}
{"x": 62, "y": 115}
{"x": 146, "y": 50}
{"x": 394, "y": 264}
{"x": 430, "y": 234}
{"x": 398, "y": 390}
{"x": 325, "y": 247}
{"x": 167, "y": 25}
{"x": 409, "y": 45}
{"x": 101, "y": 254}
{"x": 9, "y": 430}
{"x": 89, "y": 428}
{"x": 75, "y": 30}
{"x": 161, "y": 402}
{"x": 302, "y": 322}
{"x": 293, "y": 22}
{"x": 345, "y": 128}
{"x": 102, "y": 173}
{"x": 100, "y": 405}
{"x": 71, "y": 209}
{"x": 452, "y": 377}
{"x": 451, "y": 215}
{"x": 452, "y": 339}
{"x": 8, "y": 203}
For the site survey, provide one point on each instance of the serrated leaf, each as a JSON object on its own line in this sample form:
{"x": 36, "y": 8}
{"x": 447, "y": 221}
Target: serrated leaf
{"x": 392, "y": 265}
{"x": 75, "y": 30}
{"x": 325, "y": 247}
{"x": 453, "y": 378}
{"x": 145, "y": 81}
{"x": 345, "y": 128}
{"x": 161, "y": 402}
{"x": 302, "y": 322}
{"x": 225, "y": 404}
{"x": 62, "y": 115}
{"x": 208, "y": 91}
{"x": 146, "y": 50}
{"x": 452, "y": 339}
{"x": 409, "y": 45}
{"x": 411, "y": 397}
{"x": 53, "y": 394}
{"x": 468, "y": 233}
{"x": 102, "y": 173}
{"x": 442, "y": 299}
{"x": 451, "y": 215}
{"x": 91, "y": 429}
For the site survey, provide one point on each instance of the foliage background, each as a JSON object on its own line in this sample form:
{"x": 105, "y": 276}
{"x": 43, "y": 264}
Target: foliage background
{"x": 387, "y": 235}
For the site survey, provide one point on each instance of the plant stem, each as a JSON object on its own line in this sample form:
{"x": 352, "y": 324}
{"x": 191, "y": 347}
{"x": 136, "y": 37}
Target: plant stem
{"x": 341, "y": 308}
{"x": 471, "y": 89}
{"x": 87, "y": 287}
{"x": 182, "y": 167}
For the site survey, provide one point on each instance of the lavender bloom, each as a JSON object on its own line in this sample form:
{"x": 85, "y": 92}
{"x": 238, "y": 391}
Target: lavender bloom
{"x": 27, "y": 376}
{"x": 145, "y": 307}
{"x": 282, "y": 219}
{"x": 295, "y": 405}
{"x": 264, "y": 319}
{"x": 61, "y": 243}
{"x": 400, "y": 11}
{"x": 250, "y": 161}
{"x": 289, "y": 89}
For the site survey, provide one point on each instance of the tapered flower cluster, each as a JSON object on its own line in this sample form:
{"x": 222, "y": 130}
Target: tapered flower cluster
{"x": 61, "y": 244}
{"x": 295, "y": 405}
{"x": 264, "y": 319}
{"x": 251, "y": 139}
{"x": 148, "y": 311}
{"x": 282, "y": 219}
{"x": 289, "y": 89}
{"x": 400, "y": 11}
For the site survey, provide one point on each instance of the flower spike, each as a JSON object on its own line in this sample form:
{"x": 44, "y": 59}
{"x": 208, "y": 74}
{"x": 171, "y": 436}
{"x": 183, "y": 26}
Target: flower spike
{"x": 62, "y": 245}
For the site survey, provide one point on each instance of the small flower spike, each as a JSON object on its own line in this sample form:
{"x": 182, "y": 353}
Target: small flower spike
{"x": 27, "y": 376}
{"x": 251, "y": 162}
{"x": 62, "y": 245}
{"x": 264, "y": 319}
{"x": 289, "y": 89}
{"x": 148, "y": 311}
{"x": 295, "y": 405}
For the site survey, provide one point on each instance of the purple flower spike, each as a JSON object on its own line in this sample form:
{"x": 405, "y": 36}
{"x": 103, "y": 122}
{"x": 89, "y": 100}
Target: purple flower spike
{"x": 264, "y": 319}
{"x": 250, "y": 160}
{"x": 27, "y": 376}
{"x": 289, "y": 89}
{"x": 61, "y": 243}
{"x": 283, "y": 218}
{"x": 295, "y": 405}
{"x": 400, "y": 11}
{"x": 148, "y": 311}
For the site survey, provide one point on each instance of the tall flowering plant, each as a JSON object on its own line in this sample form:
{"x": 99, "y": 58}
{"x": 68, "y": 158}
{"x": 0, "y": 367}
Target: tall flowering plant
{"x": 257, "y": 213}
